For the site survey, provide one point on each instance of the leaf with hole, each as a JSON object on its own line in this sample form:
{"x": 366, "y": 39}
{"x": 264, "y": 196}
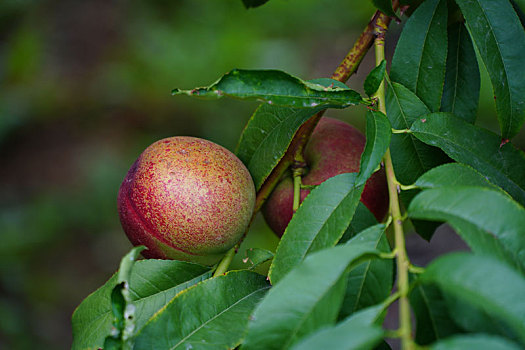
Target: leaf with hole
{"x": 152, "y": 283}
{"x": 276, "y": 88}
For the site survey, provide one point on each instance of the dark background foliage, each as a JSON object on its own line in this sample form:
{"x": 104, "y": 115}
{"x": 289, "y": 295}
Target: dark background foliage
{"x": 85, "y": 87}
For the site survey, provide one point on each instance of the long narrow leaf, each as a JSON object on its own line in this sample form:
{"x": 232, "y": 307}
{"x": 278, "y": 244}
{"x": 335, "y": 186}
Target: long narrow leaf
{"x": 276, "y": 88}
{"x": 499, "y": 214}
{"x": 210, "y": 315}
{"x": 500, "y": 39}
{"x": 378, "y": 132}
{"x": 292, "y": 309}
{"x": 484, "y": 283}
{"x": 421, "y": 52}
{"x": 152, "y": 283}
{"x": 319, "y": 223}
{"x": 462, "y": 80}
{"x": 411, "y": 157}
{"x": 501, "y": 163}
{"x": 475, "y": 341}
{"x": 370, "y": 282}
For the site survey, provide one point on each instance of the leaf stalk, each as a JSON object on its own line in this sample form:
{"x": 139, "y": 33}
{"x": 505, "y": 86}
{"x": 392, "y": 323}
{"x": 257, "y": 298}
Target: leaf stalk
{"x": 223, "y": 266}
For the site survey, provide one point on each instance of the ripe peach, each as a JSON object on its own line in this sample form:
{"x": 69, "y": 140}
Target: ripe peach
{"x": 186, "y": 198}
{"x": 334, "y": 148}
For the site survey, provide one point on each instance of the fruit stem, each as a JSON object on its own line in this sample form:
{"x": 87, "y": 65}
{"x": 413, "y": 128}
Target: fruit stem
{"x": 225, "y": 262}
{"x": 296, "y": 191}
{"x": 298, "y": 168}
{"x": 405, "y": 331}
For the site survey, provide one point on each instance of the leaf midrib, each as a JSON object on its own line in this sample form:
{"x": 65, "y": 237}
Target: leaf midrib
{"x": 217, "y": 315}
{"x": 476, "y": 156}
{"x": 367, "y": 269}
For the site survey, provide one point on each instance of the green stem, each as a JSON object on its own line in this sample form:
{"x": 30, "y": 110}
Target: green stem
{"x": 401, "y": 131}
{"x": 416, "y": 269}
{"x": 405, "y": 327}
{"x": 408, "y": 187}
{"x": 296, "y": 191}
{"x": 225, "y": 262}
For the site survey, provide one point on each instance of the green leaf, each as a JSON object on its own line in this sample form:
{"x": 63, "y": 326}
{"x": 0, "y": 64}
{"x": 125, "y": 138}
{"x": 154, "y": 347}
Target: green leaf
{"x": 484, "y": 283}
{"x": 319, "y": 223}
{"x": 484, "y": 243}
{"x": 253, "y": 3}
{"x": 370, "y": 282}
{"x": 479, "y": 241}
{"x": 500, "y": 39}
{"x": 359, "y": 331}
{"x": 363, "y": 219}
{"x": 340, "y": 337}
{"x": 502, "y": 164}
{"x": 462, "y": 80}
{"x": 475, "y": 320}
{"x": 376, "y": 76}
{"x": 277, "y": 88}
{"x": 269, "y": 133}
{"x": 267, "y": 136}
{"x": 475, "y": 341}
{"x": 410, "y": 157}
{"x": 420, "y": 57}
{"x": 210, "y": 315}
{"x": 519, "y": 12}
{"x": 378, "y": 132}
{"x": 306, "y": 299}
{"x": 152, "y": 283}
{"x": 122, "y": 305}
{"x": 433, "y": 321}
{"x": 385, "y": 6}
{"x": 256, "y": 256}
{"x": 453, "y": 174}
{"x": 484, "y": 208}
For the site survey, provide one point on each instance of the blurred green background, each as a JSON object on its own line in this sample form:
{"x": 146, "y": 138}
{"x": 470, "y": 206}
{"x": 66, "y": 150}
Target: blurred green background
{"x": 85, "y": 87}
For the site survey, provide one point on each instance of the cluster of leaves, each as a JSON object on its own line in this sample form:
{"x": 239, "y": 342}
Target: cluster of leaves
{"x": 331, "y": 277}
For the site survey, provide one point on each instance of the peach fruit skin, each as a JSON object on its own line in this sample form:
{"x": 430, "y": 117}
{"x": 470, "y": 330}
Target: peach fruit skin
{"x": 186, "y": 198}
{"x": 334, "y": 148}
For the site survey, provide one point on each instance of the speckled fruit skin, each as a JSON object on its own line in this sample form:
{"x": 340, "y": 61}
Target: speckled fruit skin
{"x": 334, "y": 148}
{"x": 186, "y": 198}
